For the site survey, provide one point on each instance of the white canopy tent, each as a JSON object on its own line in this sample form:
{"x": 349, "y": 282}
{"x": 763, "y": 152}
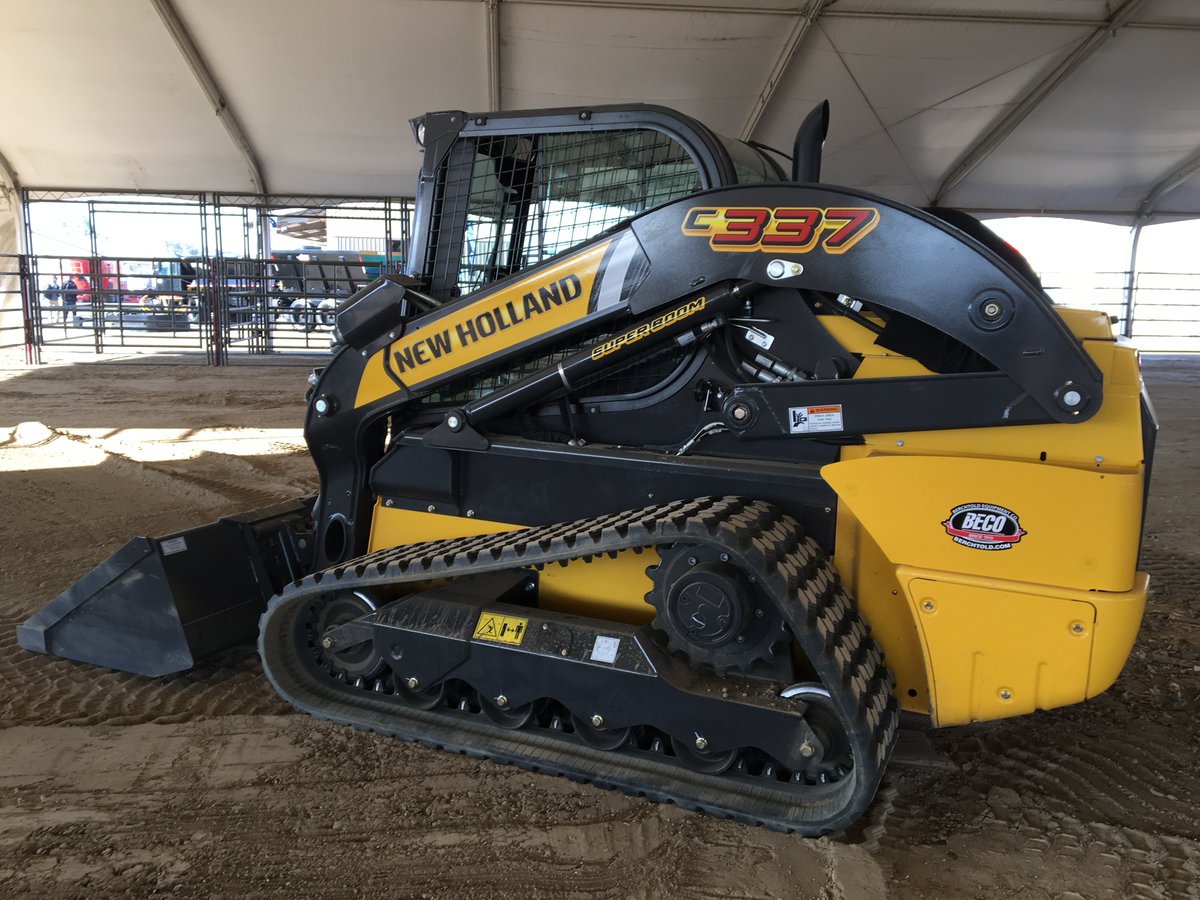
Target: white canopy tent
{"x": 1079, "y": 107}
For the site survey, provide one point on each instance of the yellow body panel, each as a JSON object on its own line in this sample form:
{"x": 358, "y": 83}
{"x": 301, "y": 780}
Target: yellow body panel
{"x": 391, "y": 527}
{"x": 605, "y": 587}
{"x": 1004, "y": 648}
{"x": 1086, "y": 324}
{"x": 1081, "y": 527}
{"x": 1111, "y": 434}
{"x": 871, "y": 579}
{"x": 1118, "y": 617}
{"x": 1110, "y": 441}
{"x": 1085, "y": 483}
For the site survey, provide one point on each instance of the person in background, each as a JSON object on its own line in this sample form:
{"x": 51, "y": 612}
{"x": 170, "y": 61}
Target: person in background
{"x": 52, "y": 295}
{"x": 73, "y": 291}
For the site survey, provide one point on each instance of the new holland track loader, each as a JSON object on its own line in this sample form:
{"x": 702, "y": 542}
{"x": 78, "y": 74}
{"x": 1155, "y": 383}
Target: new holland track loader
{"x": 673, "y": 473}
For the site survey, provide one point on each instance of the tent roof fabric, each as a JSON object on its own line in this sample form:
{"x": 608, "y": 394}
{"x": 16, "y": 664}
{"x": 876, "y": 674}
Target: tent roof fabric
{"x": 1081, "y": 107}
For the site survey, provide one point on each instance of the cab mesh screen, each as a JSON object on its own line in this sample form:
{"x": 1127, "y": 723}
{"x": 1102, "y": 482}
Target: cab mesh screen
{"x": 509, "y": 202}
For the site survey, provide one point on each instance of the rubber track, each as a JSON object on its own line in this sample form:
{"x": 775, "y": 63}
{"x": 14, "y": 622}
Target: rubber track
{"x": 759, "y": 538}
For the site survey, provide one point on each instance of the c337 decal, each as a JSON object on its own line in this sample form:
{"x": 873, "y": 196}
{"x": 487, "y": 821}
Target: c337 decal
{"x": 784, "y": 229}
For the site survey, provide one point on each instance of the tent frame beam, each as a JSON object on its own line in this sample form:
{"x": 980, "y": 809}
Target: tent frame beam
{"x": 884, "y": 15}
{"x": 10, "y": 186}
{"x": 1033, "y": 98}
{"x": 493, "y": 54}
{"x": 806, "y": 18}
{"x": 1168, "y": 183}
{"x": 200, "y": 69}
{"x": 9, "y": 174}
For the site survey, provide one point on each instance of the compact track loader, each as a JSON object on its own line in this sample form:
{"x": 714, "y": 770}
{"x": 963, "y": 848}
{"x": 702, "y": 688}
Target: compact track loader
{"x": 668, "y": 472}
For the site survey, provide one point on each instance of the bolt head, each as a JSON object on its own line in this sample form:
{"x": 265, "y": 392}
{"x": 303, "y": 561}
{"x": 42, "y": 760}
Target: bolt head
{"x": 562, "y": 652}
{"x": 740, "y": 412}
{"x": 1077, "y": 628}
{"x": 807, "y": 749}
{"x": 412, "y": 683}
{"x": 598, "y": 721}
{"x": 991, "y": 310}
{"x": 321, "y": 406}
{"x": 502, "y": 701}
{"x": 1072, "y": 399}
{"x": 1005, "y": 694}
{"x": 327, "y": 643}
{"x": 452, "y": 422}
{"x": 431, "y": 508}
{"x": 691, "y": 560}
{"x": 701, "y": 743}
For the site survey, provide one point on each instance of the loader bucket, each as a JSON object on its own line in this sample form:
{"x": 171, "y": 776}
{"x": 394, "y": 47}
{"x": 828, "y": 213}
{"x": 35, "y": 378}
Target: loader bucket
{"x": 159, "y": 605}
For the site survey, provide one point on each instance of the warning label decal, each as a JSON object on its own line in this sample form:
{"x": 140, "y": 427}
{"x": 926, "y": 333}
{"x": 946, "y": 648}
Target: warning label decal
{"x": 809, "y": 419}
{"x": 500, "y": 629}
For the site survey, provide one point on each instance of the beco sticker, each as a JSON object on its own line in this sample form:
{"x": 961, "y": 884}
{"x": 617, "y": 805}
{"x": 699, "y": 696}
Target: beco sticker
{"x": 984, "y": 526}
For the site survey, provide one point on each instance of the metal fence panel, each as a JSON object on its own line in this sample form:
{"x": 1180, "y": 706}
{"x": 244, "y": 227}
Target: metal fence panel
{"x": 210, "y": 308}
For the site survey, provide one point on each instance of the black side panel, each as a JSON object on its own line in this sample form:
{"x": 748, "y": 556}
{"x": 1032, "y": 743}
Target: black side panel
{"x": 533, "y": 483}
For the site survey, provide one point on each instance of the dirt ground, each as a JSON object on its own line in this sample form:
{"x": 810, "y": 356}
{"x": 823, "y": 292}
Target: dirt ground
{"x": 204, "y": 785}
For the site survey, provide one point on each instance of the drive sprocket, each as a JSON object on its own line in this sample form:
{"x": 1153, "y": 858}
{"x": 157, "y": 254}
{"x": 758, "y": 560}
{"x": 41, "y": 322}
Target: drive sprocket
{"x": 711, "y": 612}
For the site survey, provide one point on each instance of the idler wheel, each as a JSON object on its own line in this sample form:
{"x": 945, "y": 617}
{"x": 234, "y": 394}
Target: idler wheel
{"x": 361, "y": 660}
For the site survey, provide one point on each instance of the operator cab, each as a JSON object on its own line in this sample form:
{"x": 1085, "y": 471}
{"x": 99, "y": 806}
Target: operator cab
{"x": 505, "y": 191}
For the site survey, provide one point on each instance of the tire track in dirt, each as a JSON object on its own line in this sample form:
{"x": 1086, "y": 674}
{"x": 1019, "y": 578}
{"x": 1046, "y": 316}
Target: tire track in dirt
{"x": 41, "y": 690}
{"x": 289, "y": 807}
{"x": 62, "y": 467}
{"x": 1104, "y": 794}
{"x": 224, "y": 478}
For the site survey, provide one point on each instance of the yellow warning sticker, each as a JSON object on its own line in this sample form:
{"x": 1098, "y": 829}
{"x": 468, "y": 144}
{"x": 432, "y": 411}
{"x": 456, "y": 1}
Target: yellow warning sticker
{"x": 500, "y": 629}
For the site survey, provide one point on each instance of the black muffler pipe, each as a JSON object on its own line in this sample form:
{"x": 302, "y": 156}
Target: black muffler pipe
{"x": 810, "y": 138}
